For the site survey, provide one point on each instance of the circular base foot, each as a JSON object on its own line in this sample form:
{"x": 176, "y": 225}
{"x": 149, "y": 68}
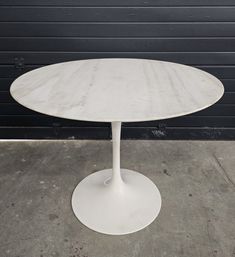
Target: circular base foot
{"x": 108, "y": 209}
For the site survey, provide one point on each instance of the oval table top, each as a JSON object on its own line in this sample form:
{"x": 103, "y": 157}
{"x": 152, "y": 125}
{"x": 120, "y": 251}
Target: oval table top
{"x": 113, "y": 89}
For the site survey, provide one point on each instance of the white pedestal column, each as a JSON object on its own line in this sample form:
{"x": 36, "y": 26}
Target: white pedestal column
{"x": 116, "y": 201}
{"x": 116, "y": 182}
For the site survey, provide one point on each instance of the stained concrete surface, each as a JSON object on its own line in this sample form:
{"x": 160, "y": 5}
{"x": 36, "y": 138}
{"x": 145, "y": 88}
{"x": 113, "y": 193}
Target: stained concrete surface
{"x": 196, "y": 180}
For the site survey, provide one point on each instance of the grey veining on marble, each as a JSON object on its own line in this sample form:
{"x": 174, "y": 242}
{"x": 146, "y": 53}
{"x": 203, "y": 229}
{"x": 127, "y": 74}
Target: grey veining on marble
{"x": 109, "y": 90}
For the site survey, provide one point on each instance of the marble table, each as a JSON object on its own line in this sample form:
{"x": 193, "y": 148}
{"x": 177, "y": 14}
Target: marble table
{"x": 116, "y": 201}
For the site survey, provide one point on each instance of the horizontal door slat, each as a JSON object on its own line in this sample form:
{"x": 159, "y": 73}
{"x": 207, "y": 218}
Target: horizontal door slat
{"x": 119, "y": 44}
{"x": 117, "y": 30}
{"x": 229, "y": 85}
{"x": 5, "y": 84}
{"x": 190, "y": 58}
{"x": 225, "y": 72}
{"x": 116, "y": 3}
{"x": 189, "y": 121}
{"x": 185, "y": 121}
{"x": 117, "y": 14}
{"x": 14, "y": 109}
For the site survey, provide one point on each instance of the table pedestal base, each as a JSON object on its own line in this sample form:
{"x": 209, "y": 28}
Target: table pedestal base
{"x": 116, "y": 209}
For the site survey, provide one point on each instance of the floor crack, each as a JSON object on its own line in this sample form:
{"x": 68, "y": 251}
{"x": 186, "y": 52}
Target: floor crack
{"x": 228, "y": 179}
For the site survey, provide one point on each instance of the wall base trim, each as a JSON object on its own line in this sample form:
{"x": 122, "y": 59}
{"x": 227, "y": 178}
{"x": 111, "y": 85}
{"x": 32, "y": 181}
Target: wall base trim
{"x": 171, "y": 133}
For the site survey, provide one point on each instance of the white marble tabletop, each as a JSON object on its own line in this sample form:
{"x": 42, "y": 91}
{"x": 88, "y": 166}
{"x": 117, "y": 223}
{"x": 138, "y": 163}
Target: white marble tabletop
{"x": 107, "y": 90}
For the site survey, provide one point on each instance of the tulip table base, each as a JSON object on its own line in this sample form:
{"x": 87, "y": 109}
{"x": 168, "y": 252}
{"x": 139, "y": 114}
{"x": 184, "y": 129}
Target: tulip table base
{"x": 116, "y": 201}
{"x": 116, "y": 209}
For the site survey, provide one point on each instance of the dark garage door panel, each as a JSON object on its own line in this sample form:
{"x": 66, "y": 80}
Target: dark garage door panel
{"x": 117, "y": 14}
{"x": 194, "y": 32}
{"x": 123, "y": 3}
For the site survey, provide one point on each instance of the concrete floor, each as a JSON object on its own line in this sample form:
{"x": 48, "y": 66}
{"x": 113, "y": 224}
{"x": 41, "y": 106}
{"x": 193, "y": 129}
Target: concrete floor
{"x": 196, "y": 180}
